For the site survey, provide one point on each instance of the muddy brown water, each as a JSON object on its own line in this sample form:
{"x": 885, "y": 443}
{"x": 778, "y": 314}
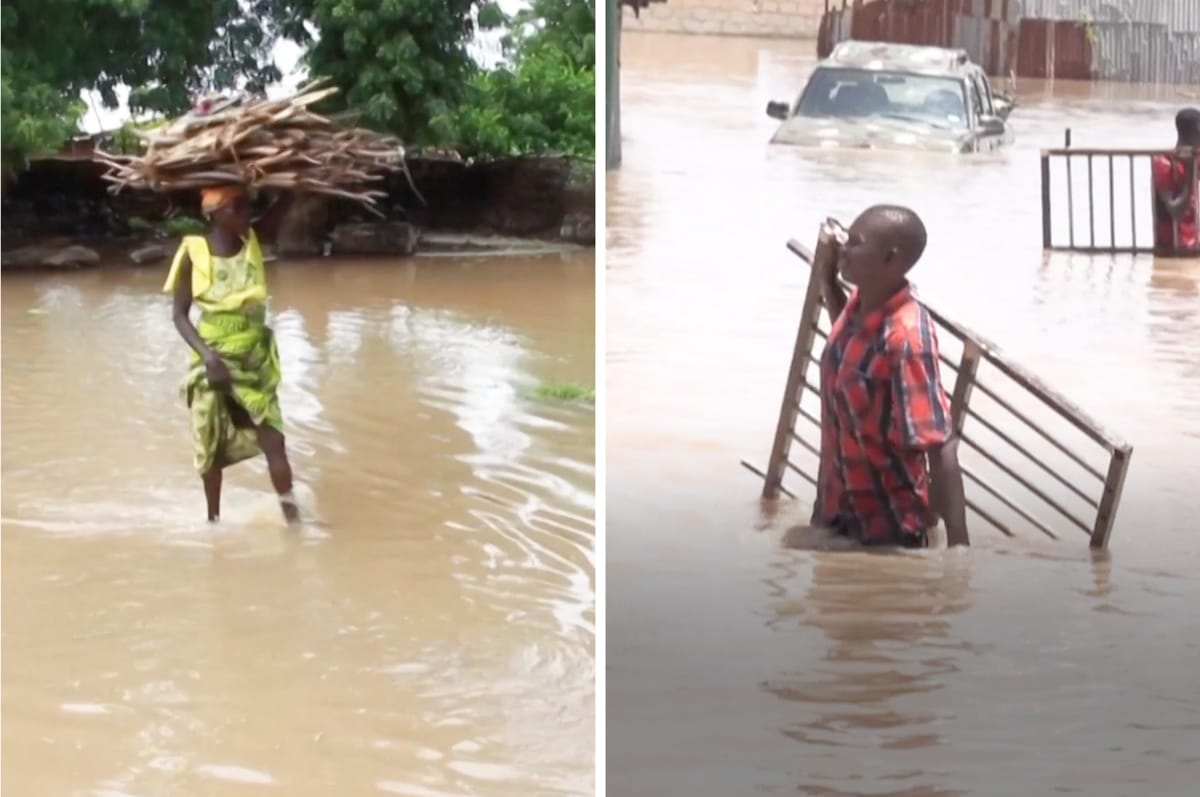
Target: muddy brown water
{"x": 738, "y": 666}
{"x": 434, "y": 637}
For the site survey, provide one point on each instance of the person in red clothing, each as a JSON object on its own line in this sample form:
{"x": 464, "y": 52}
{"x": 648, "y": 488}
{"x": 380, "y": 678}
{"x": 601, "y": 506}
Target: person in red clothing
{"x": 1176, "y": 194}
{"x": 889, "y": 460}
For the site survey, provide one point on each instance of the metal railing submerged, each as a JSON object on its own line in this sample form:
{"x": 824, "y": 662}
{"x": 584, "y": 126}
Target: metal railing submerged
{"x": 1100, "y": 201}
{"x": 1079, "y": 491}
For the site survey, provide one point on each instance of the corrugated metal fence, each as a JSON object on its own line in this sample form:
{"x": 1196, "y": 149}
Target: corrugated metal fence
{"x": 1144, "y": 41}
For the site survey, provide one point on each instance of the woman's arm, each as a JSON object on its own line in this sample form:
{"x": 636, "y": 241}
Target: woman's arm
{"x": 218, "y": 373}
{"x": 181, "y": 305}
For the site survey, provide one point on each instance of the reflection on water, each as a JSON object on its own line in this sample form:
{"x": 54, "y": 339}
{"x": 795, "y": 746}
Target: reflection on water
{"x": 883, "y": 647}
{"x": 1017, "y": 667}
{"x": 433, "y": 637}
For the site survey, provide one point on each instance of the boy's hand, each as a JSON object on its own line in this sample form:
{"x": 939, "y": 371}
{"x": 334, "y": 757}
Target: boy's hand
{"x": 831, "y": 236}
{"x": 825, "y": 266}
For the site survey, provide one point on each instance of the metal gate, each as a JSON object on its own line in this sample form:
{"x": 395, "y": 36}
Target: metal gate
{"x": 1098, "y": 201}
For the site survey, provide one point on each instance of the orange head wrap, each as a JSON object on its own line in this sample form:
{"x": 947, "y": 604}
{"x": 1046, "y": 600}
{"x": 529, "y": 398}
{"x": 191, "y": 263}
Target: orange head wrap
{"x": 217, "y": 197}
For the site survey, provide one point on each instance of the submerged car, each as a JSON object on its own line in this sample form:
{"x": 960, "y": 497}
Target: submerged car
{"x": 871, "y": 95}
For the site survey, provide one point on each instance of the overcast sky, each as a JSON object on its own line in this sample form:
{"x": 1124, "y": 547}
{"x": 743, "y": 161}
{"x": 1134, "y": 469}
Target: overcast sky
{"x": 485, "y": 49}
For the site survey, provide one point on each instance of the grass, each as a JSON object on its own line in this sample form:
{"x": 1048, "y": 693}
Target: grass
{"x": 184, "y": 225}
{"x": 566, "y": 391}
{"x": 174, "y": 226}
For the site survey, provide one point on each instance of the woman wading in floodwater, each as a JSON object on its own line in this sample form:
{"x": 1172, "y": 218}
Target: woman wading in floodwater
{"x": 231, "y": 389}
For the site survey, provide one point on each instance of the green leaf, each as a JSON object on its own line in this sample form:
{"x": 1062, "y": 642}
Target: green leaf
{"x": 490, "y": 16}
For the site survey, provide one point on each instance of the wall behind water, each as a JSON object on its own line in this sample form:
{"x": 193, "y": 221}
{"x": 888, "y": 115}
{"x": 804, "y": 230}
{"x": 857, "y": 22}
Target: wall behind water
{"x": 1137, "y": 41}
{"x": 776, "y": 18}
{"x": 532, "y": 197}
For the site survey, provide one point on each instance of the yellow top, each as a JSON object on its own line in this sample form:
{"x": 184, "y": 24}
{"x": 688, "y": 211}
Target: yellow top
{"x": 221, "y": 283}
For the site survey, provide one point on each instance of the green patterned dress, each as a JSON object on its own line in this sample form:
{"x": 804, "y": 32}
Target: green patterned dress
{"x": 231, "y": 293}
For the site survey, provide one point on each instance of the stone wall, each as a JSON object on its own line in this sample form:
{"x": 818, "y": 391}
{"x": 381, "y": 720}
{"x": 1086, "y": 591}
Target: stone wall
{"x": 776, "y": 18}
{"x": 526, "y": 197}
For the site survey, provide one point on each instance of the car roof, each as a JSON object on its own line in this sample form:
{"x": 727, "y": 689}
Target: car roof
{"x": 886, "y": 57}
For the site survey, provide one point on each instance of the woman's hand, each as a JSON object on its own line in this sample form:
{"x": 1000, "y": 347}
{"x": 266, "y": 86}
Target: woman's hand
{"x": 218, "y": 373}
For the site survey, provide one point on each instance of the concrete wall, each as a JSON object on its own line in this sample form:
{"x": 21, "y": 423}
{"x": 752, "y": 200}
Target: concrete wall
{"x": 784, "y": 18}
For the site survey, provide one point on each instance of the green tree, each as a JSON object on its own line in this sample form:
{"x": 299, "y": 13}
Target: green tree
{"x": 35, "y": 114}
{"x": 166, "y": 53}
{"x": 399, "y": 63}
{"x": 403, "y": 65}
{"x": 542, "y": 101}
{"x": 566, "y": 27}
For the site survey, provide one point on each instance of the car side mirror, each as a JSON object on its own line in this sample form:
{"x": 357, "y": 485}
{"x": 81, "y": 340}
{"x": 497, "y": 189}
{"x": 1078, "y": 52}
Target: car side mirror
{"x": 991, "y": 124}
{"x": 778, "y": 110}
{"x": 1004, "y": 106}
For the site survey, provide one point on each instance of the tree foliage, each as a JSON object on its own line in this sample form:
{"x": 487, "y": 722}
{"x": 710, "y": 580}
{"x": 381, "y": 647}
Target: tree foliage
{"x": 566, "y": 27}
{"x": 399, "y": 63}
{"x": 404, "y": 65}
{"x": 166, "y": 52}
{"x": 35, "y": 115}
{"x": 542, "y": 101}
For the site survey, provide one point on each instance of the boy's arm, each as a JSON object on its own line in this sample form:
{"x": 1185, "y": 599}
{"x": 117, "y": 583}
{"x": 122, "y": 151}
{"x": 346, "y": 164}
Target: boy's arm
{"x": 946, "y": 492}
{"x": 922, "y": 422}
{"x": 832, "y": 293}
{"x": 826, "y": 268}
{"x": 1163, "y": 168}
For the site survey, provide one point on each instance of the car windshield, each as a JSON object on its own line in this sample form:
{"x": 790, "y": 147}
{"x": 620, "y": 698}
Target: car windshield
{"x": 850, "y": 93}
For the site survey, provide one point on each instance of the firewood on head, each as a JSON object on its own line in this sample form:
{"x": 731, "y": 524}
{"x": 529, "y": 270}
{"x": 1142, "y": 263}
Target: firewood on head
{"x": 259, "y": 143}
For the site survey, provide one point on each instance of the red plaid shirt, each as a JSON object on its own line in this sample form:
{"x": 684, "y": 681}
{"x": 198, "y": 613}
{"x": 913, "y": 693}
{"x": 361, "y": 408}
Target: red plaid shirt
{"x": 883, "y": 407}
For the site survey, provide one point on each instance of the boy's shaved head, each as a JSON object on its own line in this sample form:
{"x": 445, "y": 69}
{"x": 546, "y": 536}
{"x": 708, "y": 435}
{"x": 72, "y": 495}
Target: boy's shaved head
{"x": 881, "y": 246}
{"x": 1187, "y": 124}
{"x": 896, "y": 229}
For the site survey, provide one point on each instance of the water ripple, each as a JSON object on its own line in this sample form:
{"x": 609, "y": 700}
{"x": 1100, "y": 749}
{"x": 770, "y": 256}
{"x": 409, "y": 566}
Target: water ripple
{"x": 434, "y": 635}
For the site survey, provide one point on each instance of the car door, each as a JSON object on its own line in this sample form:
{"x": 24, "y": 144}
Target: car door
{"x": 988, "y": 138}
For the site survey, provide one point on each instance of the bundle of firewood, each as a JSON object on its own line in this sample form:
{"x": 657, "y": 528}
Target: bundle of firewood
{"x": 261, "y": 144}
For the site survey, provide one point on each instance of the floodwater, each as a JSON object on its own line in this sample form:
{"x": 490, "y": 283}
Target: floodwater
{"x": 736, "y": 665}
{"x": 432, "y": 635}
